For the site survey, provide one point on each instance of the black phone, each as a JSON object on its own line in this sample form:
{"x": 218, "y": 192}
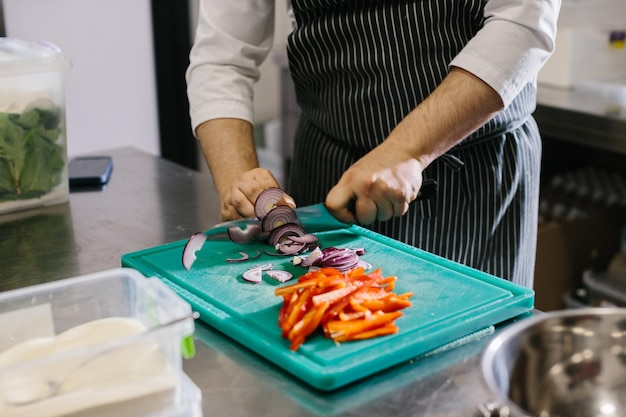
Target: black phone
{"x": 90, "y": 171}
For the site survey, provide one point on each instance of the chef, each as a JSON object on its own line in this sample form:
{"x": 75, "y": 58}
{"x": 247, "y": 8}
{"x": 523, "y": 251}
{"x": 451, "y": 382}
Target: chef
{"x": 392, "y": 92}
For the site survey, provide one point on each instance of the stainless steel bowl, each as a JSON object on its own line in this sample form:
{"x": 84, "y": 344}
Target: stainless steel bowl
{"x": 569, "y": 363}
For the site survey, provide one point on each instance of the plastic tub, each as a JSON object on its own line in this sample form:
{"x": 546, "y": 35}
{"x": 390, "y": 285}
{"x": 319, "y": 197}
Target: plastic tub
{"x": 92, "y": 344}
{"x": 33, "y": 144}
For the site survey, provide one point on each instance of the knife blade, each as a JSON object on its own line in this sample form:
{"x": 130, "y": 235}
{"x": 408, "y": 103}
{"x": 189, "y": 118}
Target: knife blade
{"x": 314, "y": 218}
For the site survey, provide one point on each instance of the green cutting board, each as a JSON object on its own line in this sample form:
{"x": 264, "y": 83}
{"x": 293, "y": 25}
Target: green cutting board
{"x": 450, "y": 301}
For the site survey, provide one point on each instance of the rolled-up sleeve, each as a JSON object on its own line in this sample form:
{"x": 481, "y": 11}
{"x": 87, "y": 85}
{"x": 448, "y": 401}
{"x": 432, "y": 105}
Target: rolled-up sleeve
{"x": 232, "y": 40}
{"x": 516, "y": 40}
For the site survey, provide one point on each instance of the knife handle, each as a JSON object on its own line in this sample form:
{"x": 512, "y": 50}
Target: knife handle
{"x": 428, "y": 190}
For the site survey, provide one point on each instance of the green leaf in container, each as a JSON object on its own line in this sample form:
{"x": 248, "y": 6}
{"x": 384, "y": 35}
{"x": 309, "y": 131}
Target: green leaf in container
{"x": 6, "y": 184}
{"x": 27, "y": 120}
{"x": 41, "y": 168}
{"x": 13, "y": 148}
{"x": 50, "y": 134}
{"x": 31, "y": 162}
{"x": 49, "y": 118}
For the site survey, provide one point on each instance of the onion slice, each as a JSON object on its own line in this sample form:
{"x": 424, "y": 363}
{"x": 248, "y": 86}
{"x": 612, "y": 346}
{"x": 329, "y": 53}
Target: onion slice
{"x": 245, "y": 235}
{"x": 245, "y": 256}
{"x": 276, "y": 253}
{"x": 306, "y": 238}
{"x": 264, "y": 267}
{"x": 289, "y": 247}
{"x": 193, "y": 245}
{"x": 282, "y": 232}
{"x": 278, "y": 216}
{"x": 279, "y": 275}
{"x": 253, "y": 275}
{"x": 270, "y": 198}
{"x": 314, "y": 257}
{"x": 365, "y": 265}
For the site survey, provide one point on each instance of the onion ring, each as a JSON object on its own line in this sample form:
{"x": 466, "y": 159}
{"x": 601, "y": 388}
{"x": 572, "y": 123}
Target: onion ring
{"x": 278, "y": 216}
{"x": 282, "y": 232}
{"x": 193, "y": 245}
{"x": 268, "y": 199}
{"x": 279, "y": 275}
{"x": 245, "y": 235}
{"x": 245, "y": 256}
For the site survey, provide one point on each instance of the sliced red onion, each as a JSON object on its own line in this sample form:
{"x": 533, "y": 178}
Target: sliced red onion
{"x": 342, "y": 263}
{"x": 264, "y": 267}
{"x": 281, "y": 232}
{"x": 268, "y": 199}
{"x": 279, "y": 275}
{"x": 289, "y": 247}
{"x": 334, "y": 253}
{"x": 360, "y": 251}
{"x": 245, "y": 256}
{"x": 245, "y": 235}
{"x": 306, "y": 238}
{"x": 194, "y": 244}
{"x": 254, "y": 275}
{"x": 267, "y": 252}
{"x": 343, "y": 259}
{"x": 365, "y": 265}
{"x": 315, "y": 256}
{"x": 278, "y": 216}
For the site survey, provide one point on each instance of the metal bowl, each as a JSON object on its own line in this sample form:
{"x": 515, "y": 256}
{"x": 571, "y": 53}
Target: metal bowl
{"x": 562, "y": 363}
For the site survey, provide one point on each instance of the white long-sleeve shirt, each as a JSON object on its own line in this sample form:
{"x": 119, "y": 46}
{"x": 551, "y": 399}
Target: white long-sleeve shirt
{"x": 233, "y": 38}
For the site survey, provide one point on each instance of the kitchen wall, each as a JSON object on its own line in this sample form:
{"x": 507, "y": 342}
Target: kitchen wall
{"x": 110, "y": 88}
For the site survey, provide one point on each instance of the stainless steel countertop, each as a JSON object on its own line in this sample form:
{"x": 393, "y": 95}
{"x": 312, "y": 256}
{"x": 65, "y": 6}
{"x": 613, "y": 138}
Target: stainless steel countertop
{"x": 150, "y": 201}
{"x": 582, "y": 117}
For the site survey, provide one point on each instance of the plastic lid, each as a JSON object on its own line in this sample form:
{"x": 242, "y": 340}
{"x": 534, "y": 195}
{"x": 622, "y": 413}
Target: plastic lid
{"x": 18, "y": 57}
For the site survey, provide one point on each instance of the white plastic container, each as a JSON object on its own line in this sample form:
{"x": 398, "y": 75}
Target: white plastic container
{"x": 33, "y": 144}
{"x": 103, "y": 344}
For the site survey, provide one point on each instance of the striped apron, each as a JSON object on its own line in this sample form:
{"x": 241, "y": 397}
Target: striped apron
{"x": 359, "y": 67}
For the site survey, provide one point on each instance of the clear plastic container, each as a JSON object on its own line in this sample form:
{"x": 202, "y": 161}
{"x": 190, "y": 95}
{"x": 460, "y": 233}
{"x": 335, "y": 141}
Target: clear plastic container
{"x": 33, "y": 143}
{"x": 109, "y": 343}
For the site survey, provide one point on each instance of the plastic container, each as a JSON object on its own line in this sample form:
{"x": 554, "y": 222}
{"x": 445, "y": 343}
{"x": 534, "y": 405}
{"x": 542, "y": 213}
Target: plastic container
{"x": 33, "y": 143}
{"x": 190, "y": 404}
{"x": 607, "y": 289}
{"x": 102, "y": 344}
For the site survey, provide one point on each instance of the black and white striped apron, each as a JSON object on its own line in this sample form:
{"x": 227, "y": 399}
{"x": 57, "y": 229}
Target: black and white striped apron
{"x": 361, "y": 66}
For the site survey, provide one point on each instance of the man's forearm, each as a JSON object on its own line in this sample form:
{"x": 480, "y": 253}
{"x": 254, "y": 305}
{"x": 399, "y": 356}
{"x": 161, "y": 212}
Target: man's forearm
{"x": 228, "y": 147}
{"x": 459, "y": 106}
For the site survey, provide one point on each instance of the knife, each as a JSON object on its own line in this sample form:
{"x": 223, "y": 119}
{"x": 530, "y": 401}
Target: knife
{"x": 314, "y": 218}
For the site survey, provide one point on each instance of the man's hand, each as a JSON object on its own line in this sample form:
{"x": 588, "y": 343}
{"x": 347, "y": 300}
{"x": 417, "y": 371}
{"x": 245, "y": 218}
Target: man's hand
{"x": 239, "y": 200}
{"x": 228, "y": 147}
{"x": 384, "y": 182}
{"x": 379, "y": 186}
